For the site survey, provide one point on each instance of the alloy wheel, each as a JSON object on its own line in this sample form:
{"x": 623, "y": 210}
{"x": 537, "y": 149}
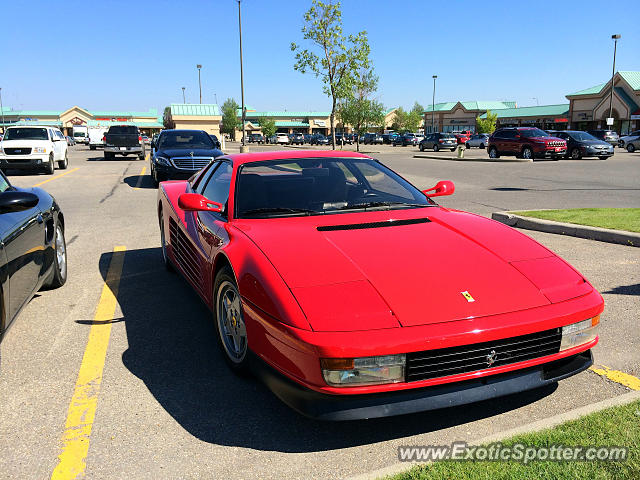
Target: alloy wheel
{"x": 231, "y": 326}
{"x": 61, "y": 252}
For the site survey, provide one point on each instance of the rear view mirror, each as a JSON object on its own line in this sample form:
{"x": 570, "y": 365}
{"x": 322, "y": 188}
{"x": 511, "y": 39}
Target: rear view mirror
{"x": 17, "y": 201}
{"x": 194, "y": 202}
{"x": 443, "y": 187}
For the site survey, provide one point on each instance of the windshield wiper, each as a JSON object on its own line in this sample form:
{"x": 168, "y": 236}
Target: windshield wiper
{"x": 381, "y": 204}
{"x": 279, "y": 210}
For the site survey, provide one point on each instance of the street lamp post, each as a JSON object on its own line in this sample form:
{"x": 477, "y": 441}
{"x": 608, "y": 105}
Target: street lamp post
{"x": 2, "y": 110}
{"x": 433, "y": 105}
{"x": 215, "y": 96}
{"x": 613, "y": 72}
{"x": 184, "y": 100}
{"x": 198, "y": 66}
{"x": 243, "y": 148}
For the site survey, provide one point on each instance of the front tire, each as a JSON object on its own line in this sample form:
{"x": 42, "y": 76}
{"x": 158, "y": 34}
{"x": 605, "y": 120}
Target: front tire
{"x": 421, "y": 147}
{"x": 482, "y": 146}
{"x": 50, "y": 167}
{"x": 436, "y": 147}
{"x": 163, "y": 244}
{"x": 527, "y": 153}
{"x": 59, "y": 274}
{"x": 575, "y": 154}
{"x": 229, "y": 318}
{"x": 631, "y": 148}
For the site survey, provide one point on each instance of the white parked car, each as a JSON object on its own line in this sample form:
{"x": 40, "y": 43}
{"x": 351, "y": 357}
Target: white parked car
{"x": 33, "y": 148}
{"x": 282, "y": 138}
{"x": 632, "y": 137}
{"x": 479, "y": 140}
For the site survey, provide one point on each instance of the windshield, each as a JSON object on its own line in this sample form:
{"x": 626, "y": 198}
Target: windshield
{"x": 582, "y": 136}
{"x": 534, "y": 132}
{"x": 185, "y": 140}
{"x": 78, "y": 134}
{"x": 321, "y": 186}
{"x": 26, "y": 134}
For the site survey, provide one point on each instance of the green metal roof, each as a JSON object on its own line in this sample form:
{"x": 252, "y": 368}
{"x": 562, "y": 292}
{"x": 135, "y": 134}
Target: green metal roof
{"x": 108, "y": 123}
{"x": 287, "y": 114}
{"x": 440, "y": 107}
{"x": 29, "y": 113}
{"x": 477, "y": 105}
{"x": 389, "y": 111}
{"x": 114, "y": 113}
{"x": 195, "y": 109}
{"x": 588, "y": 91}
{"x": 44, "y": 123}
{"x": 284, "y": 123}
{"x": 632, "y": 78}
{"x": 537, "y": 111}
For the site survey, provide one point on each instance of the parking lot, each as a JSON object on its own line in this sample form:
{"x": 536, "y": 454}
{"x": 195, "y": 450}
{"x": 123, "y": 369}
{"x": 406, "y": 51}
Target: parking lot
{"x": 168, "y": 407}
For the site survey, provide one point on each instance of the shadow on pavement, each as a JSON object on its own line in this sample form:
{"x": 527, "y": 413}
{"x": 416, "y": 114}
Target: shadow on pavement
{"x": 626, "y": 290}
{"x": 173, "y": 350}
{"x": 140, "y": 181}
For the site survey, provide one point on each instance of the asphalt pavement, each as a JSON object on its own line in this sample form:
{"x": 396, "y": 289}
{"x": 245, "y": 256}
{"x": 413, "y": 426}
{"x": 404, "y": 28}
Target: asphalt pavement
{"x": 168, "y": 407}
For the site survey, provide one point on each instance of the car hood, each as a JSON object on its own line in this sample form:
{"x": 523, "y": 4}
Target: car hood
{"x": 186, "y": 152}
{"x": 594, "y": 142}
{"x": 409, "y": 267}
{"x": 24, "y": 143}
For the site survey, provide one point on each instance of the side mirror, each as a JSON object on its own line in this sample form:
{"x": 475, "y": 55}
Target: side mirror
{"x": 444, "y": 187}
{"x": 517, "y": 136}
{"x": 194, "y": 202}
{"x": 17, "y": 201}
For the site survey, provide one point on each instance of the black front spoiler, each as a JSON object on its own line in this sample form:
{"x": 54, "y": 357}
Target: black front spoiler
{"x": 353, "y": 407}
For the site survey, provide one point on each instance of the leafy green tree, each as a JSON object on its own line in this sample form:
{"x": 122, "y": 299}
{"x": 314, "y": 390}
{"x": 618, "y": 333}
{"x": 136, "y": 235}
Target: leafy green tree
{"x": 340, "y": 56}
{"x": 230, "y": 120}
{"x": 407, "y": 121}
{"x": 358, "y": 110}
{"x": 488, "y": 124}
{"x": 268, "y": 127}
{"x": 166, "y": 118}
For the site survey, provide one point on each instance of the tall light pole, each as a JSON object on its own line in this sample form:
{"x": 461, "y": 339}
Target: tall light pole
{"x": 215, "y": 96}
{"x": 243, "y": 148}
{"x": 2, "y": 110}
{"x": 536, "y": 99}
{"x": 613, "y": 72}
{"x": 433, "y": 105}
{"x": 184, "y": 100}
{"x": 198, "y": 66}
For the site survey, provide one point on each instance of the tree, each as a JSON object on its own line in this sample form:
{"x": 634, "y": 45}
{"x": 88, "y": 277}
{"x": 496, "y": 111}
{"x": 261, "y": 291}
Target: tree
{"x": 230, "y": 120}
{"x": 166, "y": 118}
{"x": 488, "y": 124}
{"x": 339, "y": 56}
{"x": 358, "y": 110}
{"x": 407, "y": 121}
{"x": 268, "y": 127}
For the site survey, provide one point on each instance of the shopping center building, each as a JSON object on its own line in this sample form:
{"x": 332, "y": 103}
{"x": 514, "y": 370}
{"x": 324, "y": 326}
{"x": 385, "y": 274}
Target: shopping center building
{"x": 148, "y": 122}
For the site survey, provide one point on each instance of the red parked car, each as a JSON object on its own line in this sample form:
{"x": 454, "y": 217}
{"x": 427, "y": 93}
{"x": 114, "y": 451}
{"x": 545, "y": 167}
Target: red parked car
{"x": 526, "y": 142}
{"x": 462, "y": 137}
{"x": 353, "y": 294}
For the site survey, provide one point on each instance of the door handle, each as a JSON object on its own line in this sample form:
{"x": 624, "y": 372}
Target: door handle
{"x": 39, "y": 218}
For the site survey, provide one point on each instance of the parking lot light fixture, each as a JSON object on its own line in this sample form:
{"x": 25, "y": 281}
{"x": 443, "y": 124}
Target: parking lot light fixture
{"x": 433, "y": 105}
{"x": 613, "y": 72}
{"x": 198, "y": 66}
{"x": 1, "y": 110}
{"x": 184, "y": 100}
{"x": 243, "y": 148}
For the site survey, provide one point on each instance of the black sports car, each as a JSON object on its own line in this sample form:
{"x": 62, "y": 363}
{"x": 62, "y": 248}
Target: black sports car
{"x": 178, "y": 154}
{"x": 33, "y": 252}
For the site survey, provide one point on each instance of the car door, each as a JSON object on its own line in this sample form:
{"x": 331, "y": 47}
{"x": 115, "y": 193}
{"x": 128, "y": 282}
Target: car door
{"x": 210, "y": 225}
{"x": 22, "y": 243}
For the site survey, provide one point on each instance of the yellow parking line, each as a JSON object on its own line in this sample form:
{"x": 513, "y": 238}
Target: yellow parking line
{"x": 144, "y": 169}
{"x": 82, "y": 409}
{"x": 57, "y": 176}
{"x": 617, "y": 376}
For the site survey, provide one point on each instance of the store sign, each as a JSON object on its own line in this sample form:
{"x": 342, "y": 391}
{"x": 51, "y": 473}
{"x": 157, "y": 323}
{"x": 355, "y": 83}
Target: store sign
{"x": 77, "y": 121}
{"x": 635, "y": 117}
{"x": 560, "y": 120}
{"x": 320, "y": 123}
{"x": 584, "y": 116}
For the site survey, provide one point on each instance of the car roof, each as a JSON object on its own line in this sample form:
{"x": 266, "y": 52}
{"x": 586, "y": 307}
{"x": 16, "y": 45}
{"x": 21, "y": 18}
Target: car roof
{"x": 242, "y": 158}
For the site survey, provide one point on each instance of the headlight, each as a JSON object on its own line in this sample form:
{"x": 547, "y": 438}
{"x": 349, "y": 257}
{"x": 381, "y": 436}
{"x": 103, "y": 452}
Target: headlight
{"x": 344, "y": 372}
{"x": 39, "y": 150}
{"x": 579, "y": 333}
{"x": 162, "y": 161}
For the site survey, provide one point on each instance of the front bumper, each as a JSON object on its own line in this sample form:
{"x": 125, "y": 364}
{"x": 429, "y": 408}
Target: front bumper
{"x": 26, "y": 162}
{"x": 172, "y": 173}
{"x": 353, "y": 407}
{"x": 551, "y": 153}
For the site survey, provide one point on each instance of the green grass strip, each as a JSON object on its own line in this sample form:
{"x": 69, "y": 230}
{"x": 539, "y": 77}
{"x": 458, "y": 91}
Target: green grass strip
{"x": 614, "y": 218}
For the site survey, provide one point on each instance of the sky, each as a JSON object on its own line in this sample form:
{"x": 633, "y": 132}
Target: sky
{"x": 135, "y": 55}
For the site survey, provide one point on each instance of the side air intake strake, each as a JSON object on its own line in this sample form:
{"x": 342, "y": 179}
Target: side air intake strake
{"x": 360, "y": 226}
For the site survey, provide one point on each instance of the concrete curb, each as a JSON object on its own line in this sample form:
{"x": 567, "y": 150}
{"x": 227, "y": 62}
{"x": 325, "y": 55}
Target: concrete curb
{"x": 582, "y": 231}
{"x": 543, "y": 424}
{"x": 487, "y": 160}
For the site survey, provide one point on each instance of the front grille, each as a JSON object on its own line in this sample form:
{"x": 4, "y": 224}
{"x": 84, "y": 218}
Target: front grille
{"x": 479, "y": 356}
{"x": 191, "y": 163}
{"x": 555, "y": 143}
{"x": 17, "y": 151}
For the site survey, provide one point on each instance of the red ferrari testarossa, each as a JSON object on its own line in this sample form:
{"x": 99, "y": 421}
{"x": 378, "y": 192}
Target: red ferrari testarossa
{"x": 353, "y": 294}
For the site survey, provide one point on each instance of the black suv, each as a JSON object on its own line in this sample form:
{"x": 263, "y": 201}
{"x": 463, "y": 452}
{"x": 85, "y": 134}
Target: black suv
{"x": 296, "y": 139}
{"x": 608, "y": 136}
{"x": 437, "y": 141}
{"x": 256, "y": 138}
{"x": 372, "y": 138}
{"x": 342, "y": 137}
{"x": 319, "y": 139}
{"x": 181, "y": 153}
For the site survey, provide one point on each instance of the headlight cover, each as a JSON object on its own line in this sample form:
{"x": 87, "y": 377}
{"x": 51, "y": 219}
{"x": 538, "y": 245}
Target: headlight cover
{"x": 345, "y": 372}
{"x": 579, "y": 333}
{"x": 162, "y": 161}
{"x": 39, "y": 150}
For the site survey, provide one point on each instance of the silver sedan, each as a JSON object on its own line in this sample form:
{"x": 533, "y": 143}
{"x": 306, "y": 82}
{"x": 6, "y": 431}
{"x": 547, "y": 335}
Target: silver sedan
{"x": 479, "y": 140}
